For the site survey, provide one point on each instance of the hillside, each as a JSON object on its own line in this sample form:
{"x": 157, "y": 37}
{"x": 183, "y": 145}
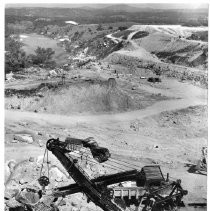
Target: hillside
{"x": 114, "y": 14}
{"x": 174, "y": 44}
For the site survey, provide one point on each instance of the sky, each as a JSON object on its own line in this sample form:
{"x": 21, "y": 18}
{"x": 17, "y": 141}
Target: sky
{"x": 142, "y": 5}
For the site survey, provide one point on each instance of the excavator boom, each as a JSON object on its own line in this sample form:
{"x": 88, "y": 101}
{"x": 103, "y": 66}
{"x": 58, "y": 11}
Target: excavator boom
{"x": 88, "y": 187}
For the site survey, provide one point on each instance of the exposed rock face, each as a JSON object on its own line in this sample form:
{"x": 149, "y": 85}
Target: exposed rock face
{"x": 136, "y": 65}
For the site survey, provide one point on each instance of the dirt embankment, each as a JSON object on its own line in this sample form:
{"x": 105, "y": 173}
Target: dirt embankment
{"x": 184, "y": 46}
{"x": 91, "y": 96}
{"x": 134, "y": 64}
{"x": 187, "y": 123}
{"x": 176, "y": 50}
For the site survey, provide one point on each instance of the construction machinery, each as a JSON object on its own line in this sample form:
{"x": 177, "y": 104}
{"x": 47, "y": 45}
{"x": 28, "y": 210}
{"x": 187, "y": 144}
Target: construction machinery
{"x": 151, "y": 190}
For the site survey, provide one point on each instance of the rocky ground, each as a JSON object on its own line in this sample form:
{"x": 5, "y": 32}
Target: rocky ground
{"x": 169, "y": 130}
{"x": 139, "y": 121}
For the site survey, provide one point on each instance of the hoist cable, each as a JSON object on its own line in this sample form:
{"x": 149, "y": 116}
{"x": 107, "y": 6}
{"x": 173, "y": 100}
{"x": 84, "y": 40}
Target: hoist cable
{"x": 125, "y": 162}
{"x": 114, "y": 167}
{"x": 48, "y": 165}
{"x": 129, "y": 166}
{"x": 43, "y": 162}
{"x": 113, "y": 162}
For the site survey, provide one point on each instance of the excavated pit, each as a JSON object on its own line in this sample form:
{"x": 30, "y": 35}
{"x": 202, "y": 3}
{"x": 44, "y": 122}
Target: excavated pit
{"x": 83, "y": 96}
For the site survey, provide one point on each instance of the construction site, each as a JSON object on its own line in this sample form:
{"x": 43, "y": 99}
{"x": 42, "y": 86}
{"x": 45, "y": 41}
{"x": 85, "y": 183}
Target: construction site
{"x": 113, "y": 130}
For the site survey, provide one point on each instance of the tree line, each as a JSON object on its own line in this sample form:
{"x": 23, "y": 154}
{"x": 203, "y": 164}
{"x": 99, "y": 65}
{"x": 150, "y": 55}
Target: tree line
{"x": 16, "y": 58}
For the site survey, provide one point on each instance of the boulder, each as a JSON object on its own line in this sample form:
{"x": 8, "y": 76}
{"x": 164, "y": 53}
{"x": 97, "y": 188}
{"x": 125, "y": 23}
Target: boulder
{"x": 11, "y": 165}
{"x": 32, "y": 159}
{"x": 22, "y": 181}
{"x": 74, "y": 209}
{"x": 6, "y": 172}
{"x": 56, "y": 174}
{"x": 8, "y": 168}
{"x": 10, "y": 193}
{"x": 28, "y": 196}
{"x": 39, "y": 133}
{"x": 12, "y": 184}
{"x": 69, "y": 208}
{"x": 62, "y": 203}
{"x": 40, "y": 143}
{"x": 47, "y": 200}
{"x": 24, "y": 138}
{"x": 32, "y": 184}
{"x": 39, "y": 159}
{"x": 84, "y": 209}
{"x": 24, "y": 124}
{"x": 15, "y": 209}
{"x": 12, "y": 203}
{"x": 9, "y": 76}
{"x": 51, "y": 136}
{"x": 76, "y": 200}
{"x": 134, "y": 125}
{"x": 52, "y": 73}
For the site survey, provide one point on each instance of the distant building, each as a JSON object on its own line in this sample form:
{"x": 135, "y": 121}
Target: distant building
{"x": 71, "y": 22}
{"x": 63, "y": 39}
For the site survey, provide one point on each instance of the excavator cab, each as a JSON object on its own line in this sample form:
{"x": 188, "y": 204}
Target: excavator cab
{"x": 150, "y": 176}
{"x": 100, "y": 154}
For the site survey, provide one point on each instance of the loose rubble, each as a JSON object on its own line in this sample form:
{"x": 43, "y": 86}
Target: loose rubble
{"x": 22, "y": 187}
{"x": 24, "y": 138}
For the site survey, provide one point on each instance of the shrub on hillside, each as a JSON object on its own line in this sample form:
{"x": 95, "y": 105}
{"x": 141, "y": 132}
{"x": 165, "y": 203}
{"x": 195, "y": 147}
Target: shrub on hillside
{"x": 15, "y": 57}
{"x": 154, "y": 80}
{"x": 121, "y": 28}
{"x": 99, "y": 28}
{"x": 43, "y": 57}
{"x": 140, "y": 34}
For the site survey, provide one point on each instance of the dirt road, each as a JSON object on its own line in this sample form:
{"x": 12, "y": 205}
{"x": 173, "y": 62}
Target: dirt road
{"x": 188, "y": 95}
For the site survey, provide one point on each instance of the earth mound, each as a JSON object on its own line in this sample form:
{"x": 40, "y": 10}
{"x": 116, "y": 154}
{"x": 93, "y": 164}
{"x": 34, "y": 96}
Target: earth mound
{"x": 87, "y": 96}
